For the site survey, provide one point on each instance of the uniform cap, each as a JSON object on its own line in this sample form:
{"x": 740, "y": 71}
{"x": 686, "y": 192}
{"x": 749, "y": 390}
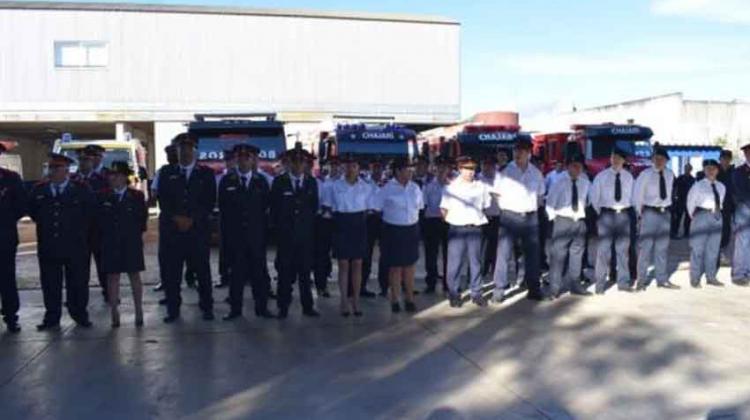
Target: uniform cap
{"x": 92, "y": 150}
{"x": 400, "y": 163}
{"x": 466, "y": 162}
{"x": 185, "y": 138}
{"x": 575, "y": 158}
{"x": 620, "y": 152}
{"x": 59, "y": 159}
{"x": 120, "y": 167}
{"x": 245, "y": 148}
{"x": 660, "y": 151}
{"x": 523, "y": 144}
{"x": 710, "y": 162}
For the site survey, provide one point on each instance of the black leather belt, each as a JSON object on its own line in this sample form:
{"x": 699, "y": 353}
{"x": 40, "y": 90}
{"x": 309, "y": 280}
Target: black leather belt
{"x": 657, "y": 209}
{"x": 705, "y": 210}
{"x": 525, "y": 214}
{"x": 617, "y": 211}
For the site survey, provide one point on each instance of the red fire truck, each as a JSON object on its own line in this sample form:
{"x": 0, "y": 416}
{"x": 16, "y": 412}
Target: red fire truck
{"x": 479, "y": 140}
{"x": 596, "y": 141}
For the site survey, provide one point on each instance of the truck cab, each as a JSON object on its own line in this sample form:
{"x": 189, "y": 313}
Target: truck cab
{"x": 479, "y": 141}
{"x": 596, "y": 142}
{"x": 219, "y": 132}
{"x": 383, "y": 141}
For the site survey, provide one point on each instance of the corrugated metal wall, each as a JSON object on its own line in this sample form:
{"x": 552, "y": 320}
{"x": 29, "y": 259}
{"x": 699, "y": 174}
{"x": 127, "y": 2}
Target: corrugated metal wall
{"x": 205, "y": 62}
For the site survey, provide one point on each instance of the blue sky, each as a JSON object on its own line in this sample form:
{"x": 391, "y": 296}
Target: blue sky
{"x": 536, "y": 56}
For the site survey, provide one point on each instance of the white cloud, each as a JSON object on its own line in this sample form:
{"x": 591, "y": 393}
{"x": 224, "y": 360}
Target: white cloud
{"x": 726, "y": 11}
{"x": 636, "y": 63}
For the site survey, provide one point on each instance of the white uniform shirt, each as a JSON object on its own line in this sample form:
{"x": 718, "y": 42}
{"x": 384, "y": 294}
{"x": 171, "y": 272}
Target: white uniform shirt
{"x": 701, "y": 196}
{"x": 519, "y": 191}
{"x": 349, "y": 198}
{"x": 560, "y": 197}
{"x": 400, "y": 204}
{"x": 552, "y": 178}
{"x": 489, "y": 181}
{"x": 646, "y": 189}
{"x": 602, "y": 193}
{"x": 432, "y": 195}
{"x": 465, "y": 202}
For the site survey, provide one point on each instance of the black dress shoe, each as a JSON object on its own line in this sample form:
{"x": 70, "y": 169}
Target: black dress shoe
{"x": 740, "y": 282}
{"x": 221, "y": 285}
{"x": 232, "y": 315}
{"x": 479, "y": 301}
{"x": 311, "y": 313}
{"x": 395, "y": 307}
{"x": 14, "y": 328}
{"x": 696, "y": 285}
{"x": 171, "y": 318}
{"x": 283, "y": 313}
{"x": 429, "y": 290}
{"x": 410, "y": 307}
{"x": 668, "y": 285}
{"x": 84, "y": 323}
{"x": 626, "y": 289}
{"x": 264, "y": 313}
{"x": 537, "y": 297}
{"x": 581, "y": 293}
{"x": 367, "y": 294}
{"x": 324, "y": 293}
{"x": 45, "y": 326}
{"x": 640, "y": 288}
{"x": 163, "y": 301}
{"x": 159, "y": 287}
{"x": 714, "y": 282}
{"x": 456, "y": 301}
{"x": 208, "y": 316}
{"x": 358, "y": 314}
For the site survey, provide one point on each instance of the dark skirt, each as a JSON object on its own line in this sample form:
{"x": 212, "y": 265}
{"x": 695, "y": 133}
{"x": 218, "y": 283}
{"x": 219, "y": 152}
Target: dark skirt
{"x": 349, "y": 236}
{"x": 124, "y": 254}
{"x": 399, "y": 245}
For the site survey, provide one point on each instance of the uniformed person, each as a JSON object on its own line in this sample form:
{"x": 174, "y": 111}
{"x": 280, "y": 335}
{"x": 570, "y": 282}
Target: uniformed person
{"x": 230, "y": 165}
{"x": 741, "y": 192}
{"x": 704, "y": 203}
{"x": 566, "y": 206}
{"x": 171, "y": 152}
{"x": 89, "y": 157}
{"x": 680, "y": 217}
{"x": 520, "y": 191}
{"x": 97, "y": 154}
{"x": 611, "y": 197}
{"x": 324, "y": 229}
{"x": 349, "y": 199}
{"x": 12, "y": 208}
{"x": 436, "y": 230}
{"x": 63, "y": 209}
{"x": 377, "y": 178}
{"x": 463, "y": 204}
{"x": 244, "y": 199}
{"x": 294, "y": 204}
{"x": 726, "y": 177}
{"x": 122, "y": 218}
{"x": 400, "y": 202}
{"x": 652, "y": 201}
{"x": 187, "y": 193}
{"x": 490, "y": 230}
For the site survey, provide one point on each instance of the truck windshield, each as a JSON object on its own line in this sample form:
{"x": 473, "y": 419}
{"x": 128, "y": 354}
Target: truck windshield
{"x": 213, "y": 147}
{"x": 110, "y": 155}
{"x": 602, "y": 148}
{"x": 401, "y": 148}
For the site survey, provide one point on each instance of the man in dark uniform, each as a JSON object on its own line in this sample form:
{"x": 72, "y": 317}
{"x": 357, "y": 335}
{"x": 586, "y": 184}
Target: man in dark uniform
{"x": 63, "y": 209}
{"x": 682, "y": 186}
{"x": 171, "y": 153}
{"x": 187, "y": 194}
{"x": 726, "y": 172}
{"x": 323, "y": 266}
{"x": 97, "y": 182}
{"x": 740, "y": 184}
{"x": 230, "y": 165}
{"x": 294, "y": 204}
{"x": 243, "y": 203}
{"x": 377, "y": 179}
{"x": 12, "y": 207}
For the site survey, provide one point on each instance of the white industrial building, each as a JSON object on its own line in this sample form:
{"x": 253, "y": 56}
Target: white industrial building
{"x": 674, "y": 119}
{"x": 105, "y": 70}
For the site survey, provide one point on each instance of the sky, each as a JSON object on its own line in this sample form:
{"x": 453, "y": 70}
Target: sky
{"x": 542, "y": 56}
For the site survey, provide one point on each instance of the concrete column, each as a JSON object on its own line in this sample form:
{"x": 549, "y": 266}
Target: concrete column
{"x": 164, "y": 132}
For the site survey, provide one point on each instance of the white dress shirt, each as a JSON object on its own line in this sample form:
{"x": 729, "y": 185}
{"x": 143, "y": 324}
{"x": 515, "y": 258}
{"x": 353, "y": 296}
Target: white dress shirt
{"x": 701, "y": 196}
{"x": 188, "y": 169}
{"x": 646, "y": 189}
{"x": 494, "y": 208}
{"x": 519, "y": 191}
{"x": 465, "y": 202}
{"x": 552, "y": 178}
{"x": 603, "y": 191}
{"x": 560, "y": 197}
{"x": 432, "y": 195}
{"x": 400, "y": 204}
{"x": 344, "y": 197}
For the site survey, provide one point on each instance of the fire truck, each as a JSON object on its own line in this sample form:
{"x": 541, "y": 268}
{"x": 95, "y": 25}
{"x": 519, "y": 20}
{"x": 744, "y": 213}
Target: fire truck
{"x": 596, "y": 141}
{"x": 481, "y": 140}
{"x": 369, "y": 141}
{"x": 220, "y": 132}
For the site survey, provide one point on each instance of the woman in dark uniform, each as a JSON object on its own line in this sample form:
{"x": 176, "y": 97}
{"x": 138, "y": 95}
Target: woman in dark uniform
{"x": 348, "y": 198}
{"x": 122, "y": 218}
{"x": 400, "y": 200}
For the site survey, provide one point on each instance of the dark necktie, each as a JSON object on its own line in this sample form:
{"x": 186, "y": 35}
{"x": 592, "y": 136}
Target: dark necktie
{"x": 574, "y": 199}
{"x": 297, "y": 185}
{"x": 183, "y": 173}
{"x": 618, "y": 188}
{"x": 717, "y": 199}
{"x": 243, "y": 179}
{"x": 662, "y": 186}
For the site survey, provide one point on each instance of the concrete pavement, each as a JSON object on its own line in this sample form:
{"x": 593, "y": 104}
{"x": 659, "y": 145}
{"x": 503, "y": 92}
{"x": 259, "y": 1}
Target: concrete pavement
{"x": 657, "y": 355}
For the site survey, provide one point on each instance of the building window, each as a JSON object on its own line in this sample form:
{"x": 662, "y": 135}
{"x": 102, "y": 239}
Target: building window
{"x": 81, "y": 54}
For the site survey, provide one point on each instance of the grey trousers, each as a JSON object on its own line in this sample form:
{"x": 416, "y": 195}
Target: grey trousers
{"x": 568, "y": 243}
{"x": 613, "y": 228}
{"x": 464, "y": 242}
{"x": 653, "y": 240}
{"x": 741, "y": 260}
{"x": 523, "y": 227}
{"x": 705, "y": 243}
